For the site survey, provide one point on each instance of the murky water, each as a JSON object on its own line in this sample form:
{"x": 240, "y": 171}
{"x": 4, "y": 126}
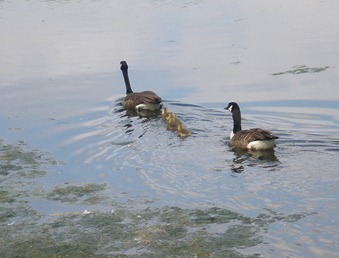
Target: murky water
{"x": 64, "y": 136}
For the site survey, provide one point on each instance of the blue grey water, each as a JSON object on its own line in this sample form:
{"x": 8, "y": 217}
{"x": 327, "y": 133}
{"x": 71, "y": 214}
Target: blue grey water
{"x": 61, "y": 90}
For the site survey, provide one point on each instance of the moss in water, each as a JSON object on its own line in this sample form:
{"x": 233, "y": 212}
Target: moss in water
{"x": 73, "y": 193}
{"x": 123, "y": 232}
{"x": 40, "y": 246}
{"x": 299, "y": 69}
{"x": 4, "y": 197}
{"x": 6, "y": 214}
{"x": 152, "y": 232}
{"x": 15, "y": 159}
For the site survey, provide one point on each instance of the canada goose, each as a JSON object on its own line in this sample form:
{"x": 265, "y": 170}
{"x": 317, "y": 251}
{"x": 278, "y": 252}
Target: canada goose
{"x": 252, "y": 139}
{"x": 145, "y": 100}
{"x": 183, "y": 132}
{"x": 172, "y": 122}
{"x": 165, "y": 113}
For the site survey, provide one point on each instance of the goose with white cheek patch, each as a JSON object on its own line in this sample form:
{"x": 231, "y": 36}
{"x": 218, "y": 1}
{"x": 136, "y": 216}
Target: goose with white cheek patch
{"x": 252, "y": 139}
{"x": 145, "y": 100}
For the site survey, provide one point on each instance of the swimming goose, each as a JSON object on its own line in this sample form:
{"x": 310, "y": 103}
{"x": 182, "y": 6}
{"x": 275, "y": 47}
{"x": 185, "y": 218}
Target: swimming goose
{"x": 252, "y": 139}
{"x": 183, "y": 132}
{"x": 145, "y": 100}
{"x": 172, "y": 122}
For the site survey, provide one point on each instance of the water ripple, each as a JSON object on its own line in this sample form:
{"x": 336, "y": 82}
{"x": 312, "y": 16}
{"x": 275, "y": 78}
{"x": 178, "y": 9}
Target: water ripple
{"x": 144, "y": 157}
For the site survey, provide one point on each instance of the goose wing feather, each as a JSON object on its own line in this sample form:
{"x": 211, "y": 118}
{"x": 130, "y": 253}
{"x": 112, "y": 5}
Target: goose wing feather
{"x": 242, "y": 138}
{"x": 258, "y": 134}
{"x": 144, "y": 97}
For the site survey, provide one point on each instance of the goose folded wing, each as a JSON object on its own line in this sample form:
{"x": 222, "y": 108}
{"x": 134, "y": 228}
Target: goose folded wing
{"x": 257, "y": 134}
{"x": 143, "y": 97}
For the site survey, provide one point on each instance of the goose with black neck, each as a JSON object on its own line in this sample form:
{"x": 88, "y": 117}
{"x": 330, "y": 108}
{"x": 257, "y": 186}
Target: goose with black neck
{"x": 139, "y": 101}
{"x": 252, "y": 139}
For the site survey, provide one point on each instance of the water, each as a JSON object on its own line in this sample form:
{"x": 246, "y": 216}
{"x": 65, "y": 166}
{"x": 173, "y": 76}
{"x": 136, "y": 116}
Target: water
{"x": 61, "y": 93}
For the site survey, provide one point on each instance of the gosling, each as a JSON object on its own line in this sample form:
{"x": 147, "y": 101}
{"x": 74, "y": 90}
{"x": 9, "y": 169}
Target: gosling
{"x": 183, "y": 132}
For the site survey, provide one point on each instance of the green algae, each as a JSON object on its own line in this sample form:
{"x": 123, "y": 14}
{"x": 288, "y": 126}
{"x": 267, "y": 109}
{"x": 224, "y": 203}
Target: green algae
{"x": 4, "y": 197}
{"x": 124, "y": 231}
{"x": 168, "y": 231}
{"x": 6, "y": 214}
{"x": 16, "y": 159}
{"x": 300, "y": 69}
{"x": 73, "y": 193}
{"x": 151, "y": 232}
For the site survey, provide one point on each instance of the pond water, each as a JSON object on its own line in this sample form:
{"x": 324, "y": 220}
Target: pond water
{"x": 68, "y": 148}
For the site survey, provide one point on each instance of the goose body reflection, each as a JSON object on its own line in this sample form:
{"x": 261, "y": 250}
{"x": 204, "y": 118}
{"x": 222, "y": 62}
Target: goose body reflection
{"x": 252, "y": 139}
{"x": 139, "y": 101}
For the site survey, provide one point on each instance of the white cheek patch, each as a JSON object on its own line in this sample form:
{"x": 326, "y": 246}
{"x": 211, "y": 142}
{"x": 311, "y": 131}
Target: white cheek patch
{"x": 230, "y": 108}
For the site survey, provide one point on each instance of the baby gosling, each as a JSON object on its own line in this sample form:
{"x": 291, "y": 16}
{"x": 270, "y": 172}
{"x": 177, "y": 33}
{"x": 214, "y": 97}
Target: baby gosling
{"x": 172, "y": 122}
{"x": 183, "y": 132}
{"x": 164, "y": 113}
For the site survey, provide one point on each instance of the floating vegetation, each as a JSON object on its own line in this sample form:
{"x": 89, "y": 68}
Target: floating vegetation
{"x": 151, "y": 232}
{"x": 4, "y": 197}
{"x": 19, "y": 169}
{"x": 299, "y": 69}
{"x": 75, "y": 193}
{"x": 15, "y": 159}
{"x": 123, "y": 230}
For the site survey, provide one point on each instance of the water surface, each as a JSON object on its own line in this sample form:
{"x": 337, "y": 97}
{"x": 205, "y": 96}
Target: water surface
{"x": 68, "y": 147}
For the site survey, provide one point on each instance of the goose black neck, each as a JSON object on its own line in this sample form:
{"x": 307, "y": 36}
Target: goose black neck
{"x": 236, "y": 114}
{"x": 128, "y": 85}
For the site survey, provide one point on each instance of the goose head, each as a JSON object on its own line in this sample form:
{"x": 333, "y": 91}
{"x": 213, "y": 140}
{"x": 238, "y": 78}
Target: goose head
{"x": 124, "y": 66}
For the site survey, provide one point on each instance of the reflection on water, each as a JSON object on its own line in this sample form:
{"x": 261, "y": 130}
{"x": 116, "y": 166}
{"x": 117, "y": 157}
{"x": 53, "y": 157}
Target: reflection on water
{"x": 263, "y": 158}
{"x": 143, "y": 146}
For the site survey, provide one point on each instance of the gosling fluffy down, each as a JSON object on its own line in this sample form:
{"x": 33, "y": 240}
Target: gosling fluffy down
{"x": 172, "y": 122}
{"x": 183, "y": 132}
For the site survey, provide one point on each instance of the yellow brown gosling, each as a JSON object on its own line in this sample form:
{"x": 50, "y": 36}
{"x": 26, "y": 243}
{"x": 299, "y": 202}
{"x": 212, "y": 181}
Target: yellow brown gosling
{"x": 172, "y": 122}
{"x": 183, "y": 132}
{"x": 165, "y": 113}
